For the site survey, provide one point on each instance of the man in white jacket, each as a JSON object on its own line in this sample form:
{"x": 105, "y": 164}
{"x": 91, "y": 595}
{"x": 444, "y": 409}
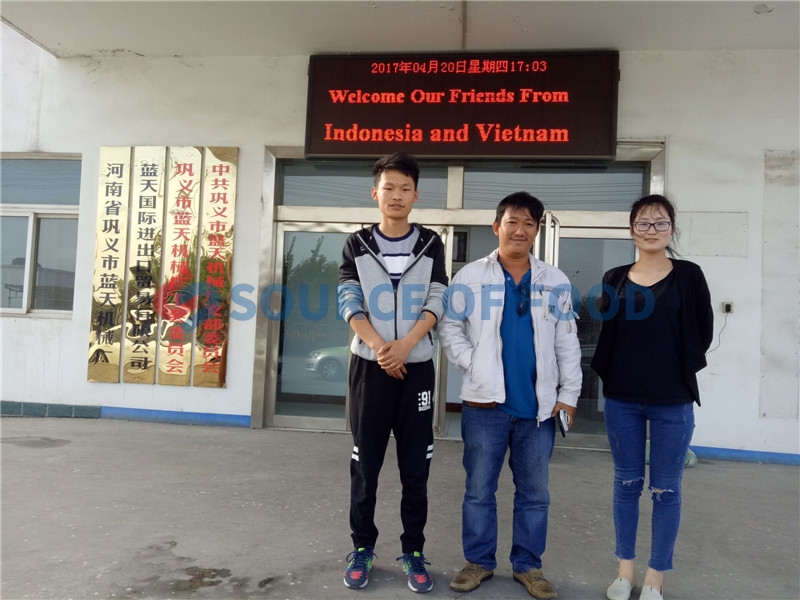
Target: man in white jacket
{"x": 509, "y": 325}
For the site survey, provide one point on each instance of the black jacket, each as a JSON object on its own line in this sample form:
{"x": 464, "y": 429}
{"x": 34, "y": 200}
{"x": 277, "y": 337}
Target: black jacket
{"x": 697, "y": 321}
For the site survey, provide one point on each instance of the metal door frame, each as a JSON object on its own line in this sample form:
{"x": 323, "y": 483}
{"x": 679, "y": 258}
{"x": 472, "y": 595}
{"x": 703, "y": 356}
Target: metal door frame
{"x": 275, "y": 219}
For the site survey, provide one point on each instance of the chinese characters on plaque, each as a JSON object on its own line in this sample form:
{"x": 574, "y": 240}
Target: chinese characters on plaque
{"x": 216, "y": 248}
{"x": 146, "y": 218}
{"x": 164, "y": 252}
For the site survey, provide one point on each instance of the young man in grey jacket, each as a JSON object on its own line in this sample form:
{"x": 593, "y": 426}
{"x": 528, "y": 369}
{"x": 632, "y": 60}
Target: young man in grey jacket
{"x": 391, "y": 283}
{"x": 509, "y": 325}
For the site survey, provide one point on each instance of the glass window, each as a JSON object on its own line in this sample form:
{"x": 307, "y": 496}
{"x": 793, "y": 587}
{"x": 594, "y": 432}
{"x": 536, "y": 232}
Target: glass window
{"x": 584, "y": 261}
{"x": 54, "y": 277}
{"x": 40, "y": 181}
{"x": 605, "y": 188}
{"x": 45, "y": 193}
{"x": 348, "y": 184}
{"x": 314, "y": 340}
{"x": 13, "y": 249}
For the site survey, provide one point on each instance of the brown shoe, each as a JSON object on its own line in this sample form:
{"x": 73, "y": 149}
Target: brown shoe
{"x": 536, "y": 584}
{"x": 470, "y": 577}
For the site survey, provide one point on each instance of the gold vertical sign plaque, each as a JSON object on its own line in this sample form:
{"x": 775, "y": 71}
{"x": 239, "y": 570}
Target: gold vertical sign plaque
{"x": 215, "y": 264}
{"x": 106, "y": 334}
{"x": 144, "y": 262}
{"x": 176, "y": 300}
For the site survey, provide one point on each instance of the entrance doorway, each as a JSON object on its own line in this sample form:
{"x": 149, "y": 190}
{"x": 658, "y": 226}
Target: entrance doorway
{"x": 301, "y": 347}
{"x": 582, "y": 244}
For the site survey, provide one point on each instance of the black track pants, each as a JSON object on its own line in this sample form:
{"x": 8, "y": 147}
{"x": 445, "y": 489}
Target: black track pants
{"x": 379, "y": 405}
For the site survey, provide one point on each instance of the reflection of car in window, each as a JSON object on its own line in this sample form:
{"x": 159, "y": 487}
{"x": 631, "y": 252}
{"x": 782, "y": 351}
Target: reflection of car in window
{"x": 328, "y": 363}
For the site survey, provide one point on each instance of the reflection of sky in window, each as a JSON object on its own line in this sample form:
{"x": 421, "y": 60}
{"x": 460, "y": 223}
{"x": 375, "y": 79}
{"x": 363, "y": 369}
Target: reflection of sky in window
{"x": 558, "y": 191}
{"x": 57, "y": 248}
{"x": 305, "y": 242}
{"x": 40, "y": 181}
{"x": 348, "y": 185}
{"x": 13, "y": 238}
{"x": 585, "y": 260}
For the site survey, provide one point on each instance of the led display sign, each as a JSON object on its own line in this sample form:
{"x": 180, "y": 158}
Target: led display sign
{"x": 515, "y": 105}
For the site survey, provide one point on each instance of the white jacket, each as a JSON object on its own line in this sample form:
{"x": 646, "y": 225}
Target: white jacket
{"x": 470, "y": 335}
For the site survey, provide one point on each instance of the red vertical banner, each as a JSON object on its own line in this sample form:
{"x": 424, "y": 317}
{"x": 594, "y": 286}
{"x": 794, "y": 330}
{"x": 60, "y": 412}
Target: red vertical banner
{"x": 214, "y": 266}
{"x": 106, "y": 335}
{"x": 176, "y": 299}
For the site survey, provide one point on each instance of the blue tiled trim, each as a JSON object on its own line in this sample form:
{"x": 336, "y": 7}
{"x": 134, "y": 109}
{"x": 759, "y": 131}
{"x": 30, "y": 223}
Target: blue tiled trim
{"x": 177, "y": 417}
{"x": 34, "y": 409}
{"x": 16, "y": 409}
{"x": 60, "y": 410}
{"x": 86, "y": 412}
{"x": 11, "y": 409}
{"x": 746, "y": 455}
{"x": 42, "y": 409}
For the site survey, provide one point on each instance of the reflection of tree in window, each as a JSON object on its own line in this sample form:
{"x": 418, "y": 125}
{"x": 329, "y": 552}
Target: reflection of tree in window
{"x": 312, "y": 284}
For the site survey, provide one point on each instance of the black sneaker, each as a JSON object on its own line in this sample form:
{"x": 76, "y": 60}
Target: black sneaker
{"x": 356, "y": 575}
{"x": 414, "y": 566}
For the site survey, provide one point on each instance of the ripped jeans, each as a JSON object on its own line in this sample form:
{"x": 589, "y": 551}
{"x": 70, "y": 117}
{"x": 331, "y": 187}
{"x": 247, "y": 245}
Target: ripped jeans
{"x": 671, "y": 428}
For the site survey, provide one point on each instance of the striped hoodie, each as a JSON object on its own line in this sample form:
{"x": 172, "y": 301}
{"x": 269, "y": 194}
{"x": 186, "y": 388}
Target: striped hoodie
{"x": 365, "y": 287}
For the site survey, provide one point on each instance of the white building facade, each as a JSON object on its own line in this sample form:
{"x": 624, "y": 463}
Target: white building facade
{"x": 715, "y": 129}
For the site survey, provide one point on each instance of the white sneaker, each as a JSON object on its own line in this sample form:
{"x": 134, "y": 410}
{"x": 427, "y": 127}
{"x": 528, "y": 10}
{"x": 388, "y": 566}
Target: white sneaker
{"x": 619, "y": 590}
{"x": 650, "y": 593}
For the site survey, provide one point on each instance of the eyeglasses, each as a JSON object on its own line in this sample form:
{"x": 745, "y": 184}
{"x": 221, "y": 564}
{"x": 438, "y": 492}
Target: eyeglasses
{"x": 525, "y": 299}
{"x": 644, "y": 226}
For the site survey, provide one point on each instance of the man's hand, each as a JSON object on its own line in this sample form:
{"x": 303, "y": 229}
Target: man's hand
{"x": 392, "y": 356}
{"x": 397, "y": 373}
{"x": 570, "y": 410}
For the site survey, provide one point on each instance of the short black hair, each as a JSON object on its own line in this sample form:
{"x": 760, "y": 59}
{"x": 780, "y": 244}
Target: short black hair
{"x": 399, "y": 161}
{"x": 521, "y": 201}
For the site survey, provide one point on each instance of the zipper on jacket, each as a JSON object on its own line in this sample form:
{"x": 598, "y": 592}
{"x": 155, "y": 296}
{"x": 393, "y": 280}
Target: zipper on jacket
{"x": 396, "y": 333}
{"x": 536, "y": 342}
{"x": 405, "y": 270}
{"x": 418, "y": 256}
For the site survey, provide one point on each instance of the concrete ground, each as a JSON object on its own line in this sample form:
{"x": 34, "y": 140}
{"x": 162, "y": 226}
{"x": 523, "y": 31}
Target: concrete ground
{"x": 116, "y": 509}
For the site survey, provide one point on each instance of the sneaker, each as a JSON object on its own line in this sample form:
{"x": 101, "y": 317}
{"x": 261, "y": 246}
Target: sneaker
{"x": 414, "y": 566}
{"x": 470, "y": 577}
{"x": 620, "y": 589}
{"x": 651, "y": 593}
{"x": 356, "y": 575}
{"x": 536, "y": 584}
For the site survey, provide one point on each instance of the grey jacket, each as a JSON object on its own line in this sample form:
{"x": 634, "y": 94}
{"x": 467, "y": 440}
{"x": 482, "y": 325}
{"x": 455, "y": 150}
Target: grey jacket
{"x": 365, "y": 287}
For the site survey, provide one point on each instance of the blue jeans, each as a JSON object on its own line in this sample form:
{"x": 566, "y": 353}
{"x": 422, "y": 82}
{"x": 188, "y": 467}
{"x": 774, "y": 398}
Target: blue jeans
{"x": 671, "y": 428}
{"x": 487, "y": 434}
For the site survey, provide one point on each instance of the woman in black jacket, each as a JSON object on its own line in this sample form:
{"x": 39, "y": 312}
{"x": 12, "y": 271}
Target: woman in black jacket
{"x": 658, "y": 326}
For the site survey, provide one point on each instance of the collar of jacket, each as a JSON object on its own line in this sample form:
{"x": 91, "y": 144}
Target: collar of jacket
{"x": 537, "y": 266}
{"x": 368, "y": 238}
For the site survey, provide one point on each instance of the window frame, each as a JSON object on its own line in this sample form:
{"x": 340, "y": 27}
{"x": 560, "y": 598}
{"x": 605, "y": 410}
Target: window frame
{"x": 34, "y": 213}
